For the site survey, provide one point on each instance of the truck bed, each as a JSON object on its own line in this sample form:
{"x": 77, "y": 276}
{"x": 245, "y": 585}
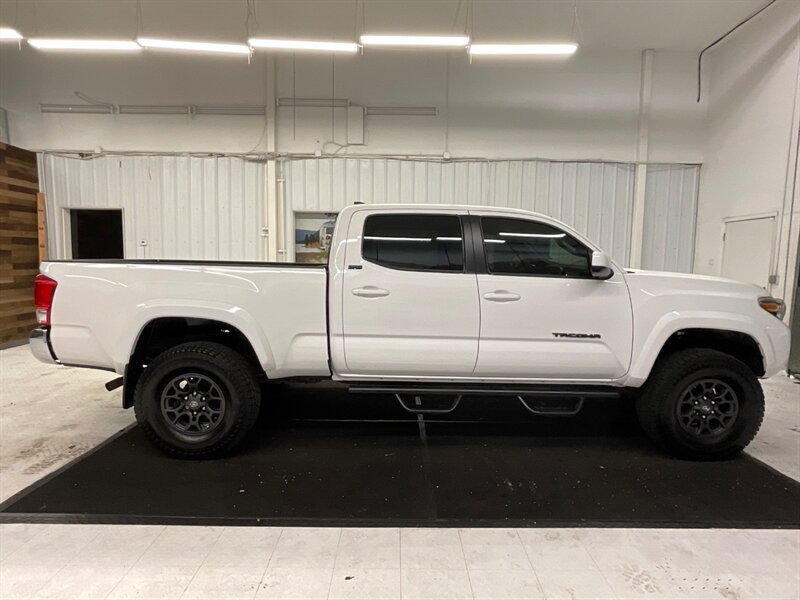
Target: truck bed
{"x": 101, "y": 307}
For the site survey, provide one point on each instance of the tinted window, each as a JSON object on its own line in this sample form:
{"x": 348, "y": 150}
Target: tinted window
{"x": 520, "y": 247}
{"x": 415, "y": 242}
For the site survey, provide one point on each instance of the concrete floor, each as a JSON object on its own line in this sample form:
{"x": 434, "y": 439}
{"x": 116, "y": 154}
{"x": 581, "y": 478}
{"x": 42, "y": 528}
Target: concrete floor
{"x": 128, "y": 561}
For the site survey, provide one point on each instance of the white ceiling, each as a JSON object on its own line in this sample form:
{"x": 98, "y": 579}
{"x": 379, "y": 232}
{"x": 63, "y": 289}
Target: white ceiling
{"x": 683, "y": 25}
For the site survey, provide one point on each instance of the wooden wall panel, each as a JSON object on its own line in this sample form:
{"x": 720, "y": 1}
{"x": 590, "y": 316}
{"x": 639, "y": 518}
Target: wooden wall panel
{"x": 19, "y": 241}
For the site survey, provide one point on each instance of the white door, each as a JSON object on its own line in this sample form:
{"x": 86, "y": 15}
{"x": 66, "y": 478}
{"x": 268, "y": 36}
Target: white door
{"x": 747, "y": 250}
{"x": 409, "y": 307}
{"x": 542, "y": 314}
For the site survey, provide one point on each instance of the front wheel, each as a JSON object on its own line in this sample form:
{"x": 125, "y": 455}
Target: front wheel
{"x": 197, "y": 400}
{"x": 701, "y": 404}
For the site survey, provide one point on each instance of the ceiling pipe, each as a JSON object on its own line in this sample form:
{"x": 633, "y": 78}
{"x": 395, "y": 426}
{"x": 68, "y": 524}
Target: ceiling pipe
{"x": 719, "y": 39}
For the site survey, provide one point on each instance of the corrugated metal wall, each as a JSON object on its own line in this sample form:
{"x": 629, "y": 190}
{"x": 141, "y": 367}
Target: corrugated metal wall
{"x": 182, "y": 207}
{"x": 594, "y": 198}
{"x": 212, "y": 207}
{"x": 670, "y": 212}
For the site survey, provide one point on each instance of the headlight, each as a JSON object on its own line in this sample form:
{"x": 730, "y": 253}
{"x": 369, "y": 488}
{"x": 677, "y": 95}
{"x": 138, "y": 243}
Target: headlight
{"x": 774, "y": 306}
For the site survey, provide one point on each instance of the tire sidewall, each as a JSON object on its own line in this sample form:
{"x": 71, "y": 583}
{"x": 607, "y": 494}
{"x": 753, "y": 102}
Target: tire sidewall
{"x": 153, "y": 383}
{"x": 737, "y": 436}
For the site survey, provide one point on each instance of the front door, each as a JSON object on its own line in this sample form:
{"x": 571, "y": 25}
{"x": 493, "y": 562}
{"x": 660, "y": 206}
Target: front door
{"x": 409, "y": 306}
{"x": 543, "y": 316}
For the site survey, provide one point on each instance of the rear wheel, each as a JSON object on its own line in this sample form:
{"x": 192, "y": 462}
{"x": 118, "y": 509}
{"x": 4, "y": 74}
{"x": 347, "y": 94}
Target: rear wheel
{"x": 701, "y": 404}
{"x": 197, "y": 400}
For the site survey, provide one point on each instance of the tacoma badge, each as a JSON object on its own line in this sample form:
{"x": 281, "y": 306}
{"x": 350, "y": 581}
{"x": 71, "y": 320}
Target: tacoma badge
{"x": 577, "y": 335}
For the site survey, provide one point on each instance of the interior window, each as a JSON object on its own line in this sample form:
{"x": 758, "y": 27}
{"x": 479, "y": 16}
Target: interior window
{"x": 522, "y": 247}
{"x": 414, "y": 242}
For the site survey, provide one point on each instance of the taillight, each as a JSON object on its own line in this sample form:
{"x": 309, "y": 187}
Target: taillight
{"x": 44, "y": 289}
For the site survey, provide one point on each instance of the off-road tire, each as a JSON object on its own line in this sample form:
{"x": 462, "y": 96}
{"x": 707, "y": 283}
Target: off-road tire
{"x": 657, "y": 404}
{"x": 234, "y": 376}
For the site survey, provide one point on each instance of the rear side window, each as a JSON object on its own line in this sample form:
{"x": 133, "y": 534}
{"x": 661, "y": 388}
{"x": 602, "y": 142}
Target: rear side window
{"x": 414, "y": 242}
{"x": 522, "y": 247}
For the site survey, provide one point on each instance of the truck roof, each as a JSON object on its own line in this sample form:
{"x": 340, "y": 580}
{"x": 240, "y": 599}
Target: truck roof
{"x": 428, "y": 207}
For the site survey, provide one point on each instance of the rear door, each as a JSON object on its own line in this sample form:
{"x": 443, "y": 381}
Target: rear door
{"x": 410, "y": 308}
{"x": 542, "y": 314}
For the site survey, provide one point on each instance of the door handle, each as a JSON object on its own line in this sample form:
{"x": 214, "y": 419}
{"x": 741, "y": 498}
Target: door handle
{"x": 370, "y": 291}
{"x": 501, "y": 296}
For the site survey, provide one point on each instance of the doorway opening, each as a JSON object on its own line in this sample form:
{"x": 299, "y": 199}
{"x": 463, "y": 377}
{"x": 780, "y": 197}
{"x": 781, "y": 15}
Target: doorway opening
{"x": 96, "y": 234}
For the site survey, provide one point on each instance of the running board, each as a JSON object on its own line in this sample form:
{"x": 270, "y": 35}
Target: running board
{"x": 539, "y": 400}
{"x": 563, "y": 407}
{"x": 473, "y": 390}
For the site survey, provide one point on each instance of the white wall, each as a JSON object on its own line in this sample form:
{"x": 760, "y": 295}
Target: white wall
{"x": 751, "y": 138}
{"x": 584, "y": 107}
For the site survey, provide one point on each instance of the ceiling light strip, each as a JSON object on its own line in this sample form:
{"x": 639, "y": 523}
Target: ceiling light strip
{"x": 421, "y": 41}
{"x": 8, "y": 34}
{"x": 189, "y": 46}
{"x": 306, "y": 45}
{"x": 84, "y": 44}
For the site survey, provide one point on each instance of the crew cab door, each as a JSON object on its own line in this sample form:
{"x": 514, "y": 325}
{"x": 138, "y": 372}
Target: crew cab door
{"x": 543, "y": 316}
{"x": 409, "y": 307}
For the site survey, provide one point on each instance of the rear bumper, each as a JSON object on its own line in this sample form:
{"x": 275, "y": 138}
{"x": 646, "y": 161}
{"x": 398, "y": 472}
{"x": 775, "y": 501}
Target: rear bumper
{"x": 40, "y": 346}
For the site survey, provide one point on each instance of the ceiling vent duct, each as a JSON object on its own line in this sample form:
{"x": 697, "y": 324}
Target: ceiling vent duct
{"x": 402, "y": 111}
{"x": 314, "y": 102}
{"x": 255, "y": 111}
{"x": 136, "y": 109}
{"x": 78, "y": 109}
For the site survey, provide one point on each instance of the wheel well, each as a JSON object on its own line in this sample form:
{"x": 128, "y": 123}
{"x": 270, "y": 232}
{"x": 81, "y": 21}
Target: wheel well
{"x": 164, "y": 333}
{"x": 738, "y": 345}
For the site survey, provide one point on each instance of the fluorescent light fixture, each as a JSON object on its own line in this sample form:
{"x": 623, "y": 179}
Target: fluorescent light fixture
{"x": 8, "y": 34}
{"x": 82, "y": 109}
{"x": 193, "y": 46}
{"x": 312, "y": 45}
{"x": 447, "y": 41}
{"x": 402, "y": 111}
{"x": 523, "y": 49}
{"x": 78, "y": 44}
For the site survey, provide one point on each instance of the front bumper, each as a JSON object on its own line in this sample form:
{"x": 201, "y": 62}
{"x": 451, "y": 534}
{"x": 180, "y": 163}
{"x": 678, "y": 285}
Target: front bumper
{"x": 40, "y": 346}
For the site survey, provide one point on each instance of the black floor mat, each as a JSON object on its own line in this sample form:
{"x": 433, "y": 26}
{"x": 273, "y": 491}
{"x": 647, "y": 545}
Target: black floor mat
{"x": 326, "y": 458}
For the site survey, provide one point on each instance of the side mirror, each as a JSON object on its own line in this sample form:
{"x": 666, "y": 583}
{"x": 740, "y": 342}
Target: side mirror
{"x": 601, "y": 266}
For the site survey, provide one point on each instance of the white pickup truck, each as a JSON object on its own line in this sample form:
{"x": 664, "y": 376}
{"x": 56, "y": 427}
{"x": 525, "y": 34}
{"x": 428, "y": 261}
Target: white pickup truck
{"x": 428, "y": 303}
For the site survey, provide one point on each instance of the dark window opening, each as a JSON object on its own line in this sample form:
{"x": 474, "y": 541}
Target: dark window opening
{"x": 414, "y": 242}
{"x": 522, "y": 247}
{"x": 96, "y": 234}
